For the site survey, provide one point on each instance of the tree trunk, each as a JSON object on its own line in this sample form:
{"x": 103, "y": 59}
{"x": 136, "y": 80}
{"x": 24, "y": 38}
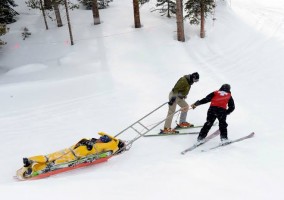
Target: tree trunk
{"x": 69, "y": 24}
{"x": 47, "y": 4}
{"x": 168, "y": 14}
{"x": 202, "y": 23}
{"x": 137, "y": 23}
{"x": 57, "y": 13}
{"x": 96, "y": 14}
{"x": 43, "y": 13}
{"x": 179, "y": 16}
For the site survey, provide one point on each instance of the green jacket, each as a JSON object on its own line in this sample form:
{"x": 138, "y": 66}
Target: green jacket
{"x": 182, "y": 86}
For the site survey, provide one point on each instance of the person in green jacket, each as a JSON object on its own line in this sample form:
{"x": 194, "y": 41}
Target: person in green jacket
{"x": 178, "y": 96}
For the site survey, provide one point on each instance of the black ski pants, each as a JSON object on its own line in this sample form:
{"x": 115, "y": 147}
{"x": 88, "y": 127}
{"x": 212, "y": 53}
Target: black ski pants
{"x": 212, "y": 114}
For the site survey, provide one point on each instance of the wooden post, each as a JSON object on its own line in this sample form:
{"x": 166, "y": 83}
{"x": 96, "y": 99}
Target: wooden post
{"x": 69, "y": 24}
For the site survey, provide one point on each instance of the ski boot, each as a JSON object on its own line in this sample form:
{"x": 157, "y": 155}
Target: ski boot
{"x": 184, "y": 125}
{"x": 200, "y": 140}
{"x": 225, "y": 141}
{"x": 168, "y": 131}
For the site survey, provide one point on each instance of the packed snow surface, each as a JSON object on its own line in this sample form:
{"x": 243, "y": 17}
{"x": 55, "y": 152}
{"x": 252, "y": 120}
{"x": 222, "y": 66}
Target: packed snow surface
{"x": 53, "y": 94}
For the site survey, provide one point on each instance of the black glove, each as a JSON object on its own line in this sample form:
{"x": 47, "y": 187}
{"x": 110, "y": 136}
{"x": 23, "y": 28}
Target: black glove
{"x": 197, "y": 103}
{"x": 172, "y": 100}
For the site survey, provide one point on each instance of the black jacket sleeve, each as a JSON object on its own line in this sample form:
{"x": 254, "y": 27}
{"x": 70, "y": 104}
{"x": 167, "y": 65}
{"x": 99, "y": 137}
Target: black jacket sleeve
{"x": 207, "y": 99}
{"x": 231, "y": 106}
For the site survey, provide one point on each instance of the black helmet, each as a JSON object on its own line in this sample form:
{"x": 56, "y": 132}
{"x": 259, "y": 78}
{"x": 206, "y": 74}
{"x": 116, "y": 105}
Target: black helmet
{"x": 225, "y": 88}
{"x": 195, "y": 77}
{"x": 105, "y": 138}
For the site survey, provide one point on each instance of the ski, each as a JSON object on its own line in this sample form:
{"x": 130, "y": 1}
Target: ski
{"x": 214, "y": 134}
{"x": 181, "y": 128}
{"x": 198, "y": 126}
{"x": 232, "y": 141}
{"x": 188, "y": 133}
{"x": 179, "y": 133}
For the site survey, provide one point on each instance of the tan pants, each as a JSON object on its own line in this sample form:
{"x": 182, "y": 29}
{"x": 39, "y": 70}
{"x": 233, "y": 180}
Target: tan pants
{"x": 172, "y": 109}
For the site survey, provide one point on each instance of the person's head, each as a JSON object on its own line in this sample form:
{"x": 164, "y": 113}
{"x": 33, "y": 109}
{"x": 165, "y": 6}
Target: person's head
{"x": 105, "y": 139}
{"x": 194, "y": 77}
{"x": 225, "y": 87}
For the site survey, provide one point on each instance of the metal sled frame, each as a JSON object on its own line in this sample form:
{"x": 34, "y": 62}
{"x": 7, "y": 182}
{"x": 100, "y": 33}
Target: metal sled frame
{"x": 141, "y": 134}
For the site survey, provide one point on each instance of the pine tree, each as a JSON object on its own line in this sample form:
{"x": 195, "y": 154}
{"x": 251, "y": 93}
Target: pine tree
{"x": 35, "y": 4}
{"x": 87, "y": 3}
{"x": 3, "y": 31}
{"x": 96, "y": 14}
{"x": 141, "y": 2}
{"x": 137, "y": 23}
{"x": 7, "y": 13}
{"x": 179, "y": 18}
{"x": 100, "y": 3}
{"x": 197, "y": 11}
{"x": 57, "y": 13}
{"x": 69, "y": 23}
{"x": 43, "y": 11}
{"x": 47, "y": 4}
{"x": 166, "y": 7}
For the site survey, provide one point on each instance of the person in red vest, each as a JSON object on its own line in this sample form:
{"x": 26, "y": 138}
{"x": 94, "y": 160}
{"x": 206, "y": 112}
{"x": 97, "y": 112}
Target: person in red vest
{"x": 222, "y": 104}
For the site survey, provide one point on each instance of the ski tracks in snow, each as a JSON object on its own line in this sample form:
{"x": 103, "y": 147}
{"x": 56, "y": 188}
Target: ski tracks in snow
{"x": 241, "y": 49}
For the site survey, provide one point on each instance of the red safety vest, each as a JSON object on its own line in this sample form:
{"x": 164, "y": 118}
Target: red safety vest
{"x": 220, "y": 99}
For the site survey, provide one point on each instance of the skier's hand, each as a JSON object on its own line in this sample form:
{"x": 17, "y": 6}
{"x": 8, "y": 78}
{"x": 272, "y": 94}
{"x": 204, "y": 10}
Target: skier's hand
{"x": 197, "y": 103}
{"x": 172, "y": 100}
{"x": 193, "y": 106}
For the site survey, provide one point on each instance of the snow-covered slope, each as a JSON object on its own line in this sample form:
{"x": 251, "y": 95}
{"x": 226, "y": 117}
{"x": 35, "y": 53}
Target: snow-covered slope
{"x": 53, "y": 94}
